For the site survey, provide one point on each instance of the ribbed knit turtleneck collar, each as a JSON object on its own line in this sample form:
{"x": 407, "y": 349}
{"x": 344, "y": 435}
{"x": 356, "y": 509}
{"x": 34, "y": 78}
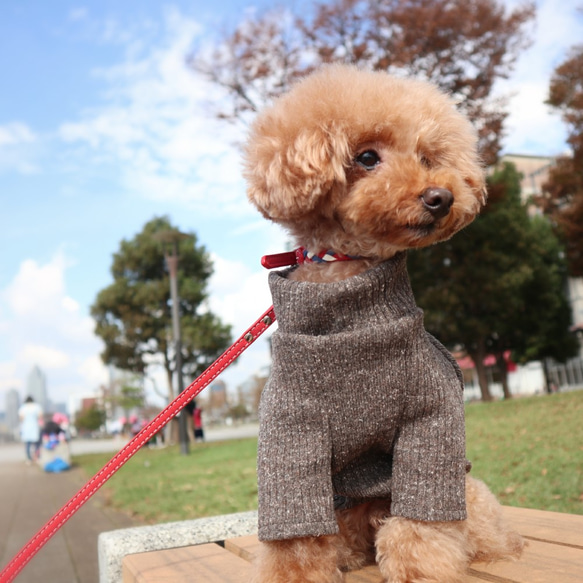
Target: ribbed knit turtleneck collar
{"x": 382, "y": 292}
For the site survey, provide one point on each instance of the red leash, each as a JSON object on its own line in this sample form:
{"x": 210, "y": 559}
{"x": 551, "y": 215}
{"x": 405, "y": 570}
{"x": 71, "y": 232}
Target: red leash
{"x": 52, "y": 526}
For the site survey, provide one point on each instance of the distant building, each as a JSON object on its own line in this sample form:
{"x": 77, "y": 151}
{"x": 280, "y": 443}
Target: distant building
{"x": 249, "y": 392}
{"x": 110, "y": 395}
{"x": 11, "y": 407}
{"x": 575, "y": 293}
{"x": 59, "y": 408}
{"x": 534, "y": 170}
{"x": 36, "y": 387}
{"x": 218, "y": 395}
{"x": 216, "y": 404}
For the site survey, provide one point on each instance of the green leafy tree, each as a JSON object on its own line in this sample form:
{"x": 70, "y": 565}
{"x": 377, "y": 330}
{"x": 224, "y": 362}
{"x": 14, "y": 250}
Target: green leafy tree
{"x": 90, "y": 419}
{"x": 133, "y": 314}
{"x": 540, "y": 330}
{"x": 546, "y": 336}
{"x": 129, "y": 397}
{"x": 498, "y": 285}
{"x": 463, "y": 46}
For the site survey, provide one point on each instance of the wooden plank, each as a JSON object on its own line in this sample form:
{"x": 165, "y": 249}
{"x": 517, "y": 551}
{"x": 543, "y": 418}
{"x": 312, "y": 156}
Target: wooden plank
{"x": 209, "y": 563}
{"x": 369, "y": 574}
{"x": 480, "y": 578}
{"x": 557, "y": 527}
{"x": 541, "y": 563}
{"x": 245, "y": 547}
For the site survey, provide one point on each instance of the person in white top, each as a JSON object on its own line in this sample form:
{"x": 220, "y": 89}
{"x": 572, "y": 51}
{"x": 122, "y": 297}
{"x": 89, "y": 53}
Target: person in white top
{"x": 31, "y": 421}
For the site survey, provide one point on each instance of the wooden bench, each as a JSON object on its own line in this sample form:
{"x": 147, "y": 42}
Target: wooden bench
{"x": 554, "y": 555}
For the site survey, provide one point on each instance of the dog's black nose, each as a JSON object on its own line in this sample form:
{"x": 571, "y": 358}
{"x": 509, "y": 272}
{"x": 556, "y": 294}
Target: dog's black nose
{"x": 437, "y": 201}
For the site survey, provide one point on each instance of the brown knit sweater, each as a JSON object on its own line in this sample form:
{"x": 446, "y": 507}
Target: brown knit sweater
{"x": 361, "y": 403}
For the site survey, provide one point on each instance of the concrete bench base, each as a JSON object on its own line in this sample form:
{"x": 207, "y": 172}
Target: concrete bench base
{"x": 114, "y": 545}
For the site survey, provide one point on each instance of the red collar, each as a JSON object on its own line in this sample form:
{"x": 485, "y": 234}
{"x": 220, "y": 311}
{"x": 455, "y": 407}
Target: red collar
{"x": 302, "y": 255}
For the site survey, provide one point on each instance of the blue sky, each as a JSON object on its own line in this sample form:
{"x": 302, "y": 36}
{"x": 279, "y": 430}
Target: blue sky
{"x": 102, "y": 127}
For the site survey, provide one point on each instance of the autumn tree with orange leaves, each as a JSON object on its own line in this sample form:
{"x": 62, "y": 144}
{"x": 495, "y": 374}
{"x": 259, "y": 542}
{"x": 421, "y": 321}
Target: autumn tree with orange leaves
{"x": 563, "y": 193}
{"x": 463, "y": 46}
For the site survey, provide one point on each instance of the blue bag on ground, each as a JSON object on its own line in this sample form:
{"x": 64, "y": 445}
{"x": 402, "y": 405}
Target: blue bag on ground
{"x": 57, "y": 465}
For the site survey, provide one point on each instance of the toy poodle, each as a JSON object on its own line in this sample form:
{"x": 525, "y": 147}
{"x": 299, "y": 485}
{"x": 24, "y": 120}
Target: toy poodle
{"x": 362, "y": 444}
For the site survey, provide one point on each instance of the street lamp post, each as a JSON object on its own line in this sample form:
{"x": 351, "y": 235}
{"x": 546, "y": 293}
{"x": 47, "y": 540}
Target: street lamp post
{"x": 172, "y": 238}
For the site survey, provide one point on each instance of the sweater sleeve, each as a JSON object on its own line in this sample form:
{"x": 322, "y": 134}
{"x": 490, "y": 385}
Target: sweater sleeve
{"x": 293, "y": 465}
{"x": 429, "y": 464}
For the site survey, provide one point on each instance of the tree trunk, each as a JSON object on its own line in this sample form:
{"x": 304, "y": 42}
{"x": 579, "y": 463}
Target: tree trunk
{"x": 503, "y": 369}
{"x": 170, "y": 388}
{"x": 548, "y": 388}
{"x": 478, "y": 356}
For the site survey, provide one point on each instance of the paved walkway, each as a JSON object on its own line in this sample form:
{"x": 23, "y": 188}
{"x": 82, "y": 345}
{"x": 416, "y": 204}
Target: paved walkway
{"x": 30, "y": 497}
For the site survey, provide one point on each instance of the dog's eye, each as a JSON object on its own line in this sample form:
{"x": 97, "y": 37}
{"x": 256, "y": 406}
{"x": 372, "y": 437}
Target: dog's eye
{"x": 425, "y": 161}
{"x": 368, "y": 159}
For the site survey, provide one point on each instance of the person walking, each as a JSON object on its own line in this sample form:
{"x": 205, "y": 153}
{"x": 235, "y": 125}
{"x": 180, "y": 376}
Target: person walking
{"x": 31, "y": 422}
{"x": 197, "y": 423}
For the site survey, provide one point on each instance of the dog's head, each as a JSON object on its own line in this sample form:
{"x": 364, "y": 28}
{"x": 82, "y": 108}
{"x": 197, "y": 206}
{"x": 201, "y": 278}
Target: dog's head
{"x": 365, "y": 163}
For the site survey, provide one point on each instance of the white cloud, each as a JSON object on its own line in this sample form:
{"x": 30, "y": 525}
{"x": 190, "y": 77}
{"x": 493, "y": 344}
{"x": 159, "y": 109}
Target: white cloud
{"x": 227, "y": 275}
{"x": 93, "y": 371}
{"x": 70, "y": 304}
{"x": 240, "y": 296}
{"x": 15, "y": 133}
{"x": 42, "y": 325}
{"x": 528, "y": 110}
{"x": 18, "y": 148}
{"x": 557, "y": 29}
{"x": 80, "y": 13}
{"x": 43, "y": 356}
{"x": 36, "y": 287}
{"x": 9, "y": 378}
{"x": 155, "y": 119}
{"x": 111, "y": 127}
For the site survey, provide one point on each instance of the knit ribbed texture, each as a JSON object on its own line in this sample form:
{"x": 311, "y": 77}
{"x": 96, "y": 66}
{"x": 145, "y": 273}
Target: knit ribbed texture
{"x": 361, "y": 403}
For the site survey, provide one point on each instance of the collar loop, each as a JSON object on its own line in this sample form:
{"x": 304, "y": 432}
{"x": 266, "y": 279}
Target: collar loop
{"x": 302, "y": 255}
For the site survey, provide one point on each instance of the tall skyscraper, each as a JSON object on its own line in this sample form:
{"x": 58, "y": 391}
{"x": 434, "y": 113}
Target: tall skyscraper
{"x": 12, "y": 404}
{"x": 36, "y": 387}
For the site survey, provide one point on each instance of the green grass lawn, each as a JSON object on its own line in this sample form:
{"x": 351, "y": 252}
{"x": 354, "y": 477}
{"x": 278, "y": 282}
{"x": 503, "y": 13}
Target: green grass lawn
{"x": 162, "y": 485}
{"x": 529, "y": 451}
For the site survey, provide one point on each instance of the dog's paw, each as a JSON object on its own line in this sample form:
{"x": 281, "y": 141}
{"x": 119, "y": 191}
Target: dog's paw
{"x": 489, "y": 536}
{"x": 410, "y": 551}
{"x": 300, "y": 560}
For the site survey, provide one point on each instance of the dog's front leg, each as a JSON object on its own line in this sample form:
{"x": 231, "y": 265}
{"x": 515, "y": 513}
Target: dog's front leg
{"x": 298, "y": 560}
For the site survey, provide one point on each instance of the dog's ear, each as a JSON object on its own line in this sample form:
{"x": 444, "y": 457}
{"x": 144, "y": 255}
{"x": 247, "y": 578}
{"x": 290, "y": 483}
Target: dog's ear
{"x": 288, "y": 175}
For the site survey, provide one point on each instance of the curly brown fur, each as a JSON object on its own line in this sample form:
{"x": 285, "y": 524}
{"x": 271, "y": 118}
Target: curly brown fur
{"x": 350, "y": 160}
{"x": 358, "y": 527}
